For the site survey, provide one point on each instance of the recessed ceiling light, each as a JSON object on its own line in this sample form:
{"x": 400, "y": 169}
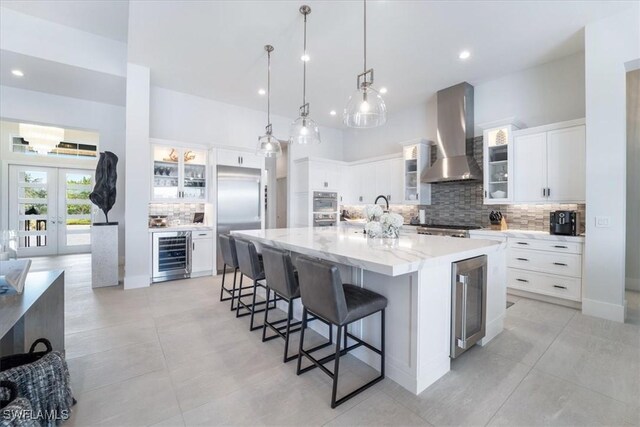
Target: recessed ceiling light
{"x": 332, "y": 112}
{"x": 465, "y": 54}
{"x": 305, "y": 57}
{"x": 262, "y": 92}
{"x": 383, "y": 90}
{"x": 17, "y": 73}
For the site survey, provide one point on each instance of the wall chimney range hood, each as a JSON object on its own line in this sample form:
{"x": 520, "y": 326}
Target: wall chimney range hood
{"x": 455, "y": 138}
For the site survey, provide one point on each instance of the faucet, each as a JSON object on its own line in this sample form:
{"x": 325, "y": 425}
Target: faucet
{"x": 385, "y": 200}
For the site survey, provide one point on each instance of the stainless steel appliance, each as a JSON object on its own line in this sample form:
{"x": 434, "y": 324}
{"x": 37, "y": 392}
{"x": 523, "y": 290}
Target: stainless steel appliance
{"x": 238, "y": 203}
{"x": 566, "y": 223}
{"x": 325, "y": 202}
{"x": 325, "y": 219}
{"x": 171, "y": 255}
{"x": 447, "y": 230}
{"x": 455, "y": 138}
{"x": 468, "y": 303}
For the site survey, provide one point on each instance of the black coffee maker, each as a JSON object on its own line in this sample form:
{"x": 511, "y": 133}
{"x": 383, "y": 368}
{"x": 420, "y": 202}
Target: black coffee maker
{"x": 564, "y": 223}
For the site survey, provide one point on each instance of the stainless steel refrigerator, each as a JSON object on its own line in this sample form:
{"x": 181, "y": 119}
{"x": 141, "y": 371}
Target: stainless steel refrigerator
{"x": 239, "y": 201}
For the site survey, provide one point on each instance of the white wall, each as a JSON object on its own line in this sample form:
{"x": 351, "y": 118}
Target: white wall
{"x": 609, "y": 44}
{"x": 192, "y": 119}
{"x": 633, "y": 181}
{"x": 548, "y": 93}
{"x": 138, "y": 167}
{"x": 108, "y": 120}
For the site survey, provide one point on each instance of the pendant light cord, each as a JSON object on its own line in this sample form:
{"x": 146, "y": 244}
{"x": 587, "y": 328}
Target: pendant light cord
{"x": 304, "y": 64}
{"x": 268, "y": 87}
{"x": 365, "y": 36}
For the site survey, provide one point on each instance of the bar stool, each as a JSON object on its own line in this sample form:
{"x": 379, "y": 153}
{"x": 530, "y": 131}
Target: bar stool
{"x": 251, "y": 265}
{"x": 282, "y": 279}
{"x": 230, "y": 259}
{"x": 324, "y": 295}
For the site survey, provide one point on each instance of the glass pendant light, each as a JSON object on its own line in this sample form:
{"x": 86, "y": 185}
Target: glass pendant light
{"x": 365, "y": 108}
{"x": 304, "y": 130}
{"x": 268, "y": 145}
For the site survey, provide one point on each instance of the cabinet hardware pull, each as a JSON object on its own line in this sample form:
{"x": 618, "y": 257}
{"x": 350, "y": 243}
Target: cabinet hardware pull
{"x": 522, "y": 243}
{"x": 559, "y": 287}
{"x": 522, "y": 280}
{"x": 560, "y": 246}
{"x": 544, "y": 192}
{"x": 560, "y": 263}
{"x": 522, "y": 259}
{"x": 193, "y": 246}
{"x": 548, "y": 192}
{"x": 485, "y": 194}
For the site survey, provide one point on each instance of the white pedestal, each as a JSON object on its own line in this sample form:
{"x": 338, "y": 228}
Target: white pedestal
{"x": 104, "y": 255}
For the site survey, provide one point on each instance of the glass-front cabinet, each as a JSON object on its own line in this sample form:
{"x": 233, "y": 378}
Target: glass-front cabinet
{"x": 498, "y": 164}
{"x": 179, "y": 174}
{"x": 416, "y": 159}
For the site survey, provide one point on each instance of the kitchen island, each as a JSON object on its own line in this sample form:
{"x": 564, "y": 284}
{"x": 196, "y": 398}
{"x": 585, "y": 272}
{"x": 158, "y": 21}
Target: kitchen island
{"x": 414, "y": 274}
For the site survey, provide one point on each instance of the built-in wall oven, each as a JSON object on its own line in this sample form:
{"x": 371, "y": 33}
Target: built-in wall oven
{"x": 468, "y": 303}
{"x": 171, "y": 255}
{"x": 325, "y": 208}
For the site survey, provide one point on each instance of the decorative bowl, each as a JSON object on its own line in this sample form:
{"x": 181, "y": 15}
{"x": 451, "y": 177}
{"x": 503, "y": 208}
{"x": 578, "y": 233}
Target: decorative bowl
{"x": 498, "y": 194}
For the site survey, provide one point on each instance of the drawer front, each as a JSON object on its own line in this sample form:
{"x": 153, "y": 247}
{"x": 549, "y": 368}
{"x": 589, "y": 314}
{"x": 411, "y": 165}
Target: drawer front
{"x": 546, "y": 245}
{"x": 547, "y": 284}
{"x": 197, "y": 234}
{"x": 546, "y": 262}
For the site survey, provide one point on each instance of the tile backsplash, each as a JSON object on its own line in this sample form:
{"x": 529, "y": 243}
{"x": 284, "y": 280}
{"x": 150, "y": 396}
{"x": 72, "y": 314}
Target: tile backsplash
{"x": 177, "y": 213}
{"x": 461, "y": 203}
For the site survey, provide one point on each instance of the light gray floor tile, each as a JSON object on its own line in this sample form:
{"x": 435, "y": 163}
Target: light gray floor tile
{"x": 542, "y": 399}
{"x": 477, "y": 385}
{"x": 550, "y": 314}
{"x": 103, "y": 339}
{"x": 609, "y": 367}
{"x": 523, "y": 340}
{"x": 607, "y": 329}
{"x": 140, "y": 401}
{"x": 176, "y": 421}
{"x": 109, "y": 367}
{"x": 378, "y": 410}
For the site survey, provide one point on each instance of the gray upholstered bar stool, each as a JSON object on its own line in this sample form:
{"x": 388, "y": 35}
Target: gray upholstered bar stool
{"x": 230, "y": 259}
{"x": 282, "y": 279}
{"x": 251, "y": 266}
{"x": 324, "y": 295}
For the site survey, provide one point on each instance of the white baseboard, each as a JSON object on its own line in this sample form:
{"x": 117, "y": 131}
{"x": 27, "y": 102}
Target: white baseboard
{"x": 632, "y": 284}
{"x": 602, "y": 309}
{"x": 135, "y": 282}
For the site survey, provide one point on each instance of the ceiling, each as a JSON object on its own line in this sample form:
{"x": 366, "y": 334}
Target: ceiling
{"x": 106, "y": 18}
{"x": 214, "y": 49}
{"x": 61, "y": 79}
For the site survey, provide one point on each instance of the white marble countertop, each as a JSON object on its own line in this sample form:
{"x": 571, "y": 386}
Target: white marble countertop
{"x": 527, "y": 234}
{"x": 185, "y": 227}
{"x": 347, "y": 246}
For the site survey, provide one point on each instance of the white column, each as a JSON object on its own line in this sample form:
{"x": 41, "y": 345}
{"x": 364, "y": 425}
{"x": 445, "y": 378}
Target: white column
{"x": 138, "y": 170}
{"x": 610, "y": 44}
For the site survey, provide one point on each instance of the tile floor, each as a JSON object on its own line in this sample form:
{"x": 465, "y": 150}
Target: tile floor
{"x": 173, "y": 355}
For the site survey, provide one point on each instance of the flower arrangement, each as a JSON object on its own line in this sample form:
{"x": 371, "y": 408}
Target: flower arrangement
{"x": 381, "y": 224}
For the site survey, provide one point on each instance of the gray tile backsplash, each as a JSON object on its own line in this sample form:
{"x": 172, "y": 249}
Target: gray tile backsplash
{"x": 460, "y": 203}
{"x": 177, "y": 213}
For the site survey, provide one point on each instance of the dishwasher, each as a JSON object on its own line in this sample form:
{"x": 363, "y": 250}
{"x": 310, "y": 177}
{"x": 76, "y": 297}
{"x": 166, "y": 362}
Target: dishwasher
{"x": 171, "y": 255}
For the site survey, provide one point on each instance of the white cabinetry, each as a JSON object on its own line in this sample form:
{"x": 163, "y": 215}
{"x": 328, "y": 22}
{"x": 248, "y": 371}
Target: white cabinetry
{"x": 179, "y": 174}
{"x": 416, "y": 158}
{"x": 498, "y": 164}
{"x": 239, "y": 158}
{"x": 364, "y": 181}
{"x": 201, "y": 253}
{"x": 549, "y": 163}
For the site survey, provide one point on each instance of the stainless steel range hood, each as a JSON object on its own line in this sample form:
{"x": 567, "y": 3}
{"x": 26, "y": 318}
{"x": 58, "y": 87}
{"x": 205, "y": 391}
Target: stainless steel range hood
{"x": 455, "y": 138}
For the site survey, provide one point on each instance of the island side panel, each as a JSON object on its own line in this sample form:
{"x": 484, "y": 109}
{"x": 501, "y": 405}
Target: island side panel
{"x": 496, "y": 293}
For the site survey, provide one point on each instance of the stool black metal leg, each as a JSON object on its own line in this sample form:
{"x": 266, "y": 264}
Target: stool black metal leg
{"x": 253, "y": 305}
{"x": 224, "y": 274}
{"x": 300, "y": 348}
{"x": 285, "y": 359}
{"x": 233, "y": 290}
{"x": 336, "y": 368}
{"x": 382, "y": 343}
{"x": 266, "y": 315}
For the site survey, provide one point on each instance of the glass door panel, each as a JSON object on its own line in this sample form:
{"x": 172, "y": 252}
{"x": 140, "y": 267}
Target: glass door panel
{"x": 75, "y": 217}
{"x": 166, "y": 173}
{"x": 194, "y": 178}
{"x": 33, "y": 209}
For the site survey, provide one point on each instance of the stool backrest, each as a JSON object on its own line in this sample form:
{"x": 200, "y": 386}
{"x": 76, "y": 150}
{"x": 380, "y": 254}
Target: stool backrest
{"x": 228, "y": 250}
{"x": 321, "y": 289}
{"x": 248, "y": 259}
{"x": 279, "y": 272}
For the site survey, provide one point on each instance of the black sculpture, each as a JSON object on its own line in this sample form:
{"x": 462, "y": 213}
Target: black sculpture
{"x": 104, "y": 192}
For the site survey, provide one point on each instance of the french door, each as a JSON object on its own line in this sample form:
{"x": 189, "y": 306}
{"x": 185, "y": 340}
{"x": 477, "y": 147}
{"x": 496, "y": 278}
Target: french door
{"x": 50, "y": 209}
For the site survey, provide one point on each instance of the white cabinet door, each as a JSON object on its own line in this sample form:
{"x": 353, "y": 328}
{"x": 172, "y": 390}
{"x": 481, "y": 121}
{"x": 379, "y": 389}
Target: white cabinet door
{"x": 530, "y": 167}
{"x": 202, "y": 255}
{"x": 349, "y": 187}
{"x": 228, "y": 157}
{"x": 395, "y": 180}
{"x": 333, "y": 176}
{"x": 249, "y": 160}
{"x": 316, "y": 176}
{"x": 368, "y": 182}
{"x": 566, "y": 164}
{"x": 382, "y": 179}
